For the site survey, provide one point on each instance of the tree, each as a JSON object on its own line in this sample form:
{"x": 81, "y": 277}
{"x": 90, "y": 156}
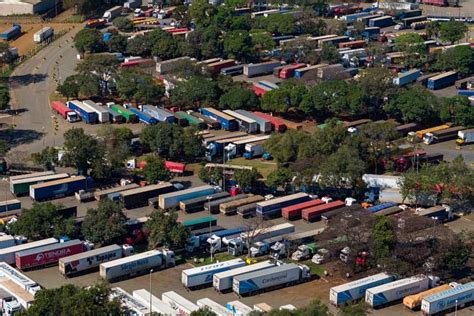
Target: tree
{"x": 165, "y": 230}
{"x": 88, "y": 40}
{"x": 285, "y": 147}
{"x": 432, "y": 29}
{"x": 72, "y": 300}
{"x": 239, "y": 98}
{"x": 452, "y": 31}
{"x": 279, "y": 178}
{"x": 80, "y": 85}
{"x": 459, "y": 58}
{"x": 139, "y": 87}
{"x": 201, "y": 12}
{"x": 105, "y": 224}
{"x": 48, "y": 158}
{"x": 5, "y": 53}
{"x": 301, "y": 50}
{"x": 205, "y": 311}
{"x": 81, "y": 150}
{"x": 377, "y": 84}
{"x": 262, "y": 41}
{"x": 246, "y": 178}
{"x": 413, "y": 47}
{"x": 281, "y": 24}
{"x": 318, "y": 98}
{"x": 413, "y": 104}
{"x": 238, "y": 44}
{"x": 139, "y": 46}
{"x": 383, "y": 238}
{"x": 359, "y": 309}
{"x": 155, "y": 170}
{"x": 4, "y": 148}
{"x": 329, "y": 54}
{"x": 4, "y": 97}
{"x": 43, "y": 220}
{"x": 205, "y": 42}
{"x": 195, "y": 91}
{"x": 123, "y": 24}
{"x": 315, "y": 308}
{"x": 458, "y": 110}
{"x": 289, "y": 94}
{"x": 308, "y": 23}
{"x": 117, "y": 43}
{"x": 116, "y": 142}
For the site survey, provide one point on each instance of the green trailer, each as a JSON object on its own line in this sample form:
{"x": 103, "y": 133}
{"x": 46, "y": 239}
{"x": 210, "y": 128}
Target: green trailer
{"x": 201, "y": 222}
{"x": 22, "y": 186}
{"x": 191, "y": 119}
{"x": 128, "y": 115}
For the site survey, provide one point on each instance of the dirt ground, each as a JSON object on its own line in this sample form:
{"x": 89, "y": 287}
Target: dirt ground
{"x": 24, "y": 42}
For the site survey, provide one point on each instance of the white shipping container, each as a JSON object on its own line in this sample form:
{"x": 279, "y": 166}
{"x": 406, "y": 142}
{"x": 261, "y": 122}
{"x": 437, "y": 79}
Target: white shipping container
{"x": 7, "y": 241}
{"x": 89, "y": 259}
{"x": 158, "y": 306}
{"x": 213, "y": 307}
{"x": 19, "y": 278}
{"x": 182, "y": 306}
{"x": 102, "y": 113}
{"x": 460, "y": 295}
{"x": 134, "y": 306}
{"x": 251, "y": 70}
{"x": 172, "y": 199}
{"x": 8, "y": 254}
{"x": 43, "y": 34}
{"x": 203, "y": 275}
{"x": 222, "y": 281}
{"x": 393, "y": 291}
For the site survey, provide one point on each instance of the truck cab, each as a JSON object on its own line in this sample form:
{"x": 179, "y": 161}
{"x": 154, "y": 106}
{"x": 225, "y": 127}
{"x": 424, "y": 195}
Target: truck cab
{"x": 320, "y": 256}
{"x": 72, "y": 117}
{"x": 10, "y": 306}
{"x": 235, "y": 246}
{"x": 304, "y": 252}
{"x": 279, "y": 250}
{"x": 259, "y": 248}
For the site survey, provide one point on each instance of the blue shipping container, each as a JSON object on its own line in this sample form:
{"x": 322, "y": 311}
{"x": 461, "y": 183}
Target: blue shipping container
{"x": 143, "y": 117}
{"x": 10, "y": 205}
{"x": 271, "y": 209}
{"x": 86, "y": 114}
{"x": 406, "y": 77}
{"x": 441, "y": 81}
{"x": 11, "y": 33}
{"x": 381, "y": 206}
{"x": 228, "y": 123}
{"x": 59, "y": 188}
{"x": 467, "y": 93}
{"x": 381, "y": 22}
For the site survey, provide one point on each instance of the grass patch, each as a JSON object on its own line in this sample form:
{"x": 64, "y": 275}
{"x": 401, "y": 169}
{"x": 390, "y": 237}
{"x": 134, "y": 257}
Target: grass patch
{"x": 56, "y": 96}
{"x": 264, "y": 167}
{"x": 74, "y": 19}
{"x": 315, "y": 268}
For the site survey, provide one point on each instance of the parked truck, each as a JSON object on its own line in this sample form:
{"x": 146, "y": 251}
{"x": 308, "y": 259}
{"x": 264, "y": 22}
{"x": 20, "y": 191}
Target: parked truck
{"x": 414, "y": 301}
{"x": 246, "y": 124}
{"x": 355, "y": 290}
{"x": 11, "y": 33}
{"x": 441, "y": 213}
{"x": 202, "y": 276}
{"x": 129, "y": 303}
{"x": 197, "y": 242}
{"x": 64, "y": 111}
{"x": 273, "y": 207}
{"x": 112, "y": 13}
{"x": 43, "y": 34}
{"x": 382, "y": 21}
{"x": 314, "y": 213}
{"x": 230, "y": 208}
{"x": 143, "y": 117}
{"x": 159, "y": 114}
{"x": 264, "y": 126}
{"x": 222, "y": 281}
{"x": 127, "y": 115}
{"x": 404, "y": 78}
{"x": 102, "y": 114}
{"x": 252, "y": 70}
{"x": 8, "y": 254}
{"x": 443, "y": 80}
{"x": 213, "y": 207}
{"x": 139, "y": 196}
{"x": 217, "y": 308}
{"x": 271, "y": 278}
{"x": 197, "y": 204}
{"x": 172, "y": 199}
{"x": 86, "y": 114}
{"x": 227, "y": 122}
{"x": 420, "y": 133}
{"x": 442, "y": 135}
{"x": 136, "y": 264}
{"x": 465, "y": 137}
{"x": 157, "y": 305}
{"x": 383, "y": 294}
{"x": 181, "y": 305}
{"x": 304, "y": 252}
{"x": 21, "y": 187}
{"x": 58, "y": 188}
{"x": 457, "y": 297}
{"x": 293, "y": 212}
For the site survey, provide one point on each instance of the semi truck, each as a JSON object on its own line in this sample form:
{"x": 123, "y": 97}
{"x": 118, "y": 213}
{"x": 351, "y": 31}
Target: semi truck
{"x": 264, "y": 126}
{"x": 442, "y": 135}
{"x": 47, "y": 255}
{"x": 252, "y": 70}
{"x": 112, "y": 13}
{"x": 422, "y": 132}
{"x": 196, "y": 242}
{"x": 85, "y": 113}
{"x": 102, "y": 114}
{"x": 197, "y": 204}
{"x": 8, "y": 254}
{"x": 355, "y": 290}
{"x": 136, "y": 264}
{"x": 238, "y": 147}
{"x": 230, "y": 208}
{"x": 304, "y": 252}
{"x": 443, "y": 80}
{"x": 383, "y": 294}
{"x": 64, "y": 111}
{"x": 91, "y": 260}
{"x": 157, "y": 305}
{"x": 19, "y": 278}
{"x": 414, "y": 301}
{"x": 465, "y": 137}
{"x": 11, "y": 33}
{"x": 202, "y": 276}
{"x": 253, "y": 150}
{"x": 222, "y": 281}
{"x": 226, "y": 121}
{"x": 271, "y": 278}
{"x": 139, "y": 196}
{"x": 181, "y": 305}
{"x": 58, "y": 188}
{"x": 246, "y": 124}
{"x": 289, "y": 71}
{"x": 172, "y": 199}
{"x": 21, "y": 187}
{"x": 273, "y": 207}
{"x": 447, "y": 300}
{"x": 43, "y": 34}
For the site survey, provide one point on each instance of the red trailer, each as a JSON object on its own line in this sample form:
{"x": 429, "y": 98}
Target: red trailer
{"x": 440, "y": 3}
{"x": 177, "y": 30}
{"x": 46, "y": 255}
{"x": 277, "y": 124}
{"x": 294, "y": 212}
{"x": 289, "y": 71}
{"x": 60, "y": 108}
{"x": 219, "y": 65}
{"x": 353, "y": 44}
{"x": 136, "y": 63}
{"x": 313, "y": 213}
{"x": 95, "y": 23}
{"x": 175, "y": 167}
{"x": 259, "y": 89}
{"x": 149, "y": 12}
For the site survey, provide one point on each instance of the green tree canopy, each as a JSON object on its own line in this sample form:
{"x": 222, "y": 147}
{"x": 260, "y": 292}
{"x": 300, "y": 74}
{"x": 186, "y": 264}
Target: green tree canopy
{"x": 238, "y": 44}
{"x": 459, "y": 58}
{"x": 116, "y": 142}
{"x": 139, "y": 87}
{"x": 105, "y": 224}
{"x": 123, "y": 24}
{"x": 279, "y": 178}
{"x": 155, "y": 170}
{"x": 196, "y": 91}
{"x": 48, "y": 158}
{"x": 413, "y": 47}
{"x": 383, "y": 238}
{"x": 4, "y": 97}
{"x": 117, "y": 43}
{"x": 457, "y": 110}
{"x": 290, "y": 94}
{"x": 414, "y": 104}
{"x": 80, "y": 85}
{"x": 452, "y": 31}
{"x": 88, "y": 40}
{"x": 205, "y": 311}
{"x": 165, "y": 230}
{"x": 239, "y": 98}
{"x": 247, "y": 178}
{"x": 329, "y": 54}
{"x": 81, "y": 150}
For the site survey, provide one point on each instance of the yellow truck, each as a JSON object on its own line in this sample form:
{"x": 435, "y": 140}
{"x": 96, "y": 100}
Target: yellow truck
{"x": 414, "y": 301}
{"x": 422, "y": 132}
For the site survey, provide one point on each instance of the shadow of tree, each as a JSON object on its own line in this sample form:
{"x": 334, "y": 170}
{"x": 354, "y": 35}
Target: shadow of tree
{"x": 15, "y": 137}
{"x": 24, "y": 80}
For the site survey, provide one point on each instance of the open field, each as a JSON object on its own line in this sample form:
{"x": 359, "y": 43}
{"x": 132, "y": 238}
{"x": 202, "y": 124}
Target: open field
{"x": 264, "y": 167}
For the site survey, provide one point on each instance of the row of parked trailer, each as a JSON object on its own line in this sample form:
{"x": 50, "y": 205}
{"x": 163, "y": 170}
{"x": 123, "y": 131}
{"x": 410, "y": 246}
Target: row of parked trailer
{"x": 416, "y": 292}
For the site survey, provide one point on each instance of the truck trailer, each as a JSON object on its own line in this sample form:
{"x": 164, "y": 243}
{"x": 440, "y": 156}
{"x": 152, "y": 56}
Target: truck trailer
{"x": 227, "y": 122}
{"x": 136, "y": 264}
{"x": 230, "y": 208}
{"x": 127, "y": 115}
{"x": 447, "y": 300}
{"x": 86, "y": 114}
{"x": 252, "y": 70}
{"x": 246, "y": 124}
{"x": 404, "y": 78}
{"x": 172, "y": 199}
{"x": 102, "y": 114}
{"x": 182, "y": 306}
{"x": 314, "y": 213}
{"x": 214, "y": 206}
{"x": 103, "y": 194}
{"x": 273, "y": 207}
{"x": 21, "y": 187}
{"x": 47, "y": 255}
{"x": 129, "y": 303}
{"x": 414, "y": 301}
{"x": 58, "y": 188}
{"x": 139, "y": 196}
{"x": 222, "y": 281}
{"x": 443, "y": 80}
{"x": 202, "y": 276}
{"x": 157, "y": 305}
{"x": 264, "y": 126}
{"x": 67, "y": 114}
{"x": 8, "y": 254}
{"x": 293, "y": 212}
{"x": 143, "y": 117}
{"x": 213, "y": 306}
{"x": 197, "y": 204}
{"x": 271, "y": 278}
{"x": 442, "y": 135}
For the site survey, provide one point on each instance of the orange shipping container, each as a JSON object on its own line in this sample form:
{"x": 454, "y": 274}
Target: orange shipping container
{"x": 414, "y": 301}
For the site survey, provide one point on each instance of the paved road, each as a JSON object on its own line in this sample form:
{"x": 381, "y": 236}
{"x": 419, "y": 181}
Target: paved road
{"x": 31, "y": 84}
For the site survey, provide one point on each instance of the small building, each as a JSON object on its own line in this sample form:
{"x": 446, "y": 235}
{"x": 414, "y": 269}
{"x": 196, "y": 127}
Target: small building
{"x": 17, "y": 7}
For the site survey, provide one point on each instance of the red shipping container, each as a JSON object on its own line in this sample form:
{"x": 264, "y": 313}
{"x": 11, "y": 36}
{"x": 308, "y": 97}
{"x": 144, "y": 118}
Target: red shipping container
{"x": 440, "y": 3}
{"x": 294, "y": 212}
{"x": 277, "y": 124}
{"x": 175, "y": 166}
{"x": 313, "y": 213}
{"x": 177, "y": 30}
{"x": 46, "y": 255}
{"x": 60, "y": 108}
{"x": 288, "y": 71}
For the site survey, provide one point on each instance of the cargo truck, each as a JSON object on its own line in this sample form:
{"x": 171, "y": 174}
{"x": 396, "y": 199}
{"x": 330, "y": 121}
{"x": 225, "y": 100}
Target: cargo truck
{"x": 422, "y": 132}
{"x": 182, "y": 306}
{"x": 11, "y": 33}
{"x": 442, "y": 135}
{"x": 197, "y": 204}
{"x": 139, "y": 196}
{"x": 7, "y": 241}
{"x": 304, "y": 252}
{"x": 277, "y": 124}
{"x": 157, "y": 305}
{"x": 102, "y": 114}
{"x": 43, "y": 34}
{"x": 406, "y": 77}
{"x": 91, "y": 260}
{"x": 273, "y": 207}
{"x": 237, "y": 148}
{"x": 253, "y": 151}
{"x": 58, "y": 188}
{"x": 230, "y": 208}
{"x": 197, "y": 242}
{"x": 172, "y": 199}
{"x": 216, "y": 67}
{"x": 19, "y": 278}
{"x": 294, "y": 212}
{"x": 465, "y": 137}
{"x": 443, "y": 80}
{"x": 289, "y": 71}
{"x": 10, "y": 205}
{"x": 381, "y": 206}
{"x": 355, "y": 290}
{"x": 192, "y": 120}
{"x": 381, "y": 295}
{"x": 271, "y": 278}
{"x": 314, "y": 213}
{"x": 21, "y": 187}
{"x": 86, "y": 114}
{"x": 203, "y": 276}
{"x": 210, "y": 123}
{"x": 445, "y": 301}
{"x": 137, "y": 264}
{"x": 8, "y": 254}
{"x": 47, "y": 255}
{"x": 218, "y": 309}
{"x": 214, "y": 206}
{"x": 232, "y": 71}
{"x": 61, "y": 109}
{"x": 159, "y": 114}
{"x": 382, "y": 21}
{"x": 252, "y": 70}
{"x": 222, "y": 281}
{"x": 414, "y": 301}
{"x": 127, "y": 115}
{"x": 246, "y": 124}
{"x": 226, "y": 121}
{"x": 112, "y": 13}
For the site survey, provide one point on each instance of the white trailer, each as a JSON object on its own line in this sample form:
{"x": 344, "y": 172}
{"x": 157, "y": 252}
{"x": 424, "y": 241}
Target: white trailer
{"x": 6, "y": 241}
{"x": 222, "y": 281}
{"x": 137, "y": 264}
{"x": 238, "y": 308}
{"x": 351, "y": 291}
{"x": 449, "y": 299}
{"x": 265, "y": 233}
{"x": 201, "y": 276}
{"x": 102, "y": 113}
{"x": 158, "y": 306}
{"x": 213, "y": 307}
{"x": 172, "y": 199}
{"x": 382, "y": 181}
{"x": 251, "y": 70}
{"x": 182, "y": 306}
{"x": 90, "y": 260}
{"x": 132, "y": 305}
{"x": 19, "y": 278}
{"x": 393, "y": 291}
{"x": 8, "y": 254}
{"x": 43, "y": 34}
